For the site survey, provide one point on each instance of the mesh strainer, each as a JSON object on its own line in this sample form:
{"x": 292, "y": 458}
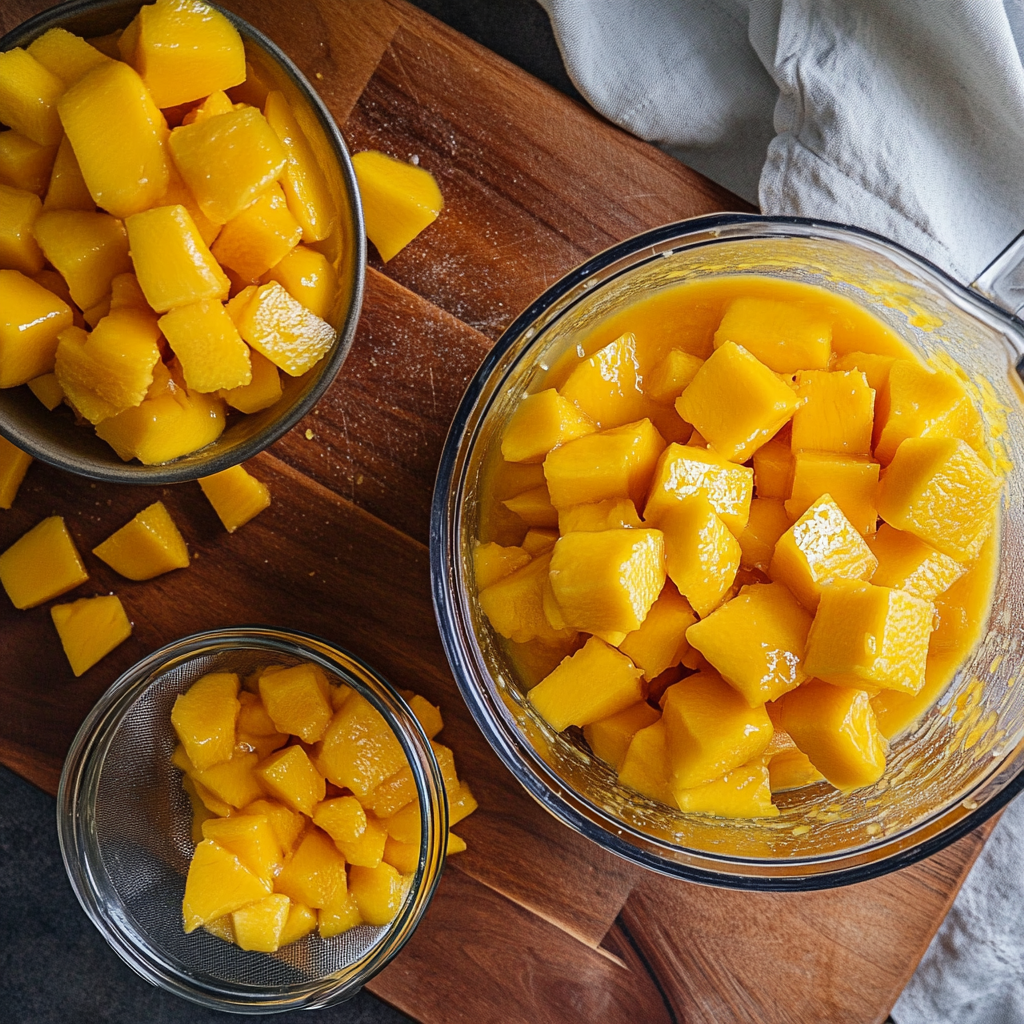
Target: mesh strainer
{"x": 124, "y": 825}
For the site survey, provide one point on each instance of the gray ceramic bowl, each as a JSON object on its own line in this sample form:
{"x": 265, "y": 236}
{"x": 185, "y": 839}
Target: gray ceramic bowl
{"x": 53, "y": 436}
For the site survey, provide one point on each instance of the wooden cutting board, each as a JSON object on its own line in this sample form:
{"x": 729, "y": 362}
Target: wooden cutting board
{"x": 533, "y": 923}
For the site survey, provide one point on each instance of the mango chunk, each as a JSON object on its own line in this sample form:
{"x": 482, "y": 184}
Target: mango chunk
{"x": 359, "y": 750}
{"x": 262, "y": 391}
{"x": 773, "y": 468}
{"x": 607, "y": 581}
{"x": 852, "y": 482}
{"x": 204, "y": 718}
{"x": 25, "y": 164}
{"x": 300, "y": 922}
{"x": 767, "y": 523}
{"x": 216, "y": 103}
{"x": 90, "y": 628}
{"x": 286, "y": 824}
{"x": 515, "y": 604}
{"x": 339, "y": 917}
{"x": 736, "y": 402}
{"x": 28, "y": 97}
{"x": 378, "y": 892}
{"x": 645, "y": 767}
{"x": 251, "y": 839}
{"x": 31, "y": 318}
{"x": 608, "y": 387}
{"x": 342, "y": 818}
{"x": 822, "y": 546}
{"x": 610, "y": 514}
{"x": 67, "y": 189}
{"x": 308, "y": 278}
{"x": 403, "y": 857}
{"x": 836, "y": 413}
{"x": 874, "y": 366}
{"x": 258, "y": 926}
{"x": 744, "y": 792}
{"x": 118, "y": 135}
{"x": 869, "y": 637}
{"x": 208, "y": 347}
{"x": 314, "y": 875}
{"x": 41, "y": 564}
{"x": 148, "y": 546}
{"x": 399, "y": 200}
{"x": 710, "y": 730}
{"x": 290, "y": 776}
{"x": 367, "y": 849}
{"x": 683, "y": 471}
{"x": 492, "y": 562}
{"x": 259, "y": 237}
{"x": 940, "y": 491}
{"x": 908, "y": 564}
{"x": 296, "y": 703}
{"x": 791, "y": 769}
{"x": 835, "y": 727}
{"x": 14, "y": 465}
{"x": 65, "y": 55}
{"x": 660, "y": 642}
{"x": 227, "y": 161}
{"x": 609, "y": 738}
{"x": 534, "y": 507}
{"x": 542, "y": 421}
{"x": 18, "y": 247}
{"x": 217, "y": 884}
{"x": 236, "y": 496}
{"x": 47, "y": 389}
{"x": 785, "y": 336}
{"x": 595, "y": 682}
{"x": 667, "y": 381}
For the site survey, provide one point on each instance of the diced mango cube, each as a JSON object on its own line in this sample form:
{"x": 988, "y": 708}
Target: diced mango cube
{"x": 217, "y": 884}
{"x": 251, "y": 838}
{"x": 258, "y": 926}
{"x": 367, "y": 849}
{"x": 204, "y": 718}
{"x": 359, "y": 750}
{"x": 314, "y": 875}
{"x": 126, "y": 293}
{"x": 148, "y": 546}
{"x": 756, "y": 641}
{"x": 259, "y": 237}
{"x": 18, "y": 247}
{"x": 263, "y": 391}
{"x": 610, "y": 514}
{"x": 41, "y": 564}
{"x": 295, "y": 702}
{"x": 399, "y": 200}
{"x": 908, "y": 564}
{"x": 25, "y": 164}
{"x": 785, "y": 336}
{"x": 216, "y": 103}
{"x": 461, "y": 803}
{"x": 47, "y": 389}
{"x": 836, "y": 412}
{"x": 515, "y": 604}
{"x": 534, "y": 507}
{"x": 342, "y": 818}
{"x": 14, "y": 465}
{"x": 301, "y": 921}
{"x": 743, "y": 792}
{"x": 253, "y": 719}
{"x": 233, "y": 781}
{"x": 236, "y": 496}
{"x": 90, "y": 628}
{"x": 205, "y": 340}
{"x": 610, "y": 737}
{"x": 403, "y": 857}
{"x": 792, "y": 769}
{"x": 736, "y": 402}
{"x": 67, "y": 188}
{"x": 492, "y": 562}
{"x": 660, "y": 642}
{"x": 820, "y": 547}
{"x": 541, "y": 422}
{"x": 290, "y": 776}
{"x": 378, "y": 892}
{"x": 339, "y": 917}
{"x": 595, "y": 682}
{"x": 28, "y": 97}
{"x": 767, "y": 523}
{"x": 645, "y": 767}
{"x": 608, "y": 386}
{"x": 773, "y": 468}
{"x": 66, "y": 55}
{"x": 31, "y": 318}
{"x": 875, "y": 367}
{"x": 940, "y": 491}
{"x": 667, "y": 381}
{"x": 852, "y": 482}
{"x": 427, "y": 714}
{"x": 308, "y": 278}
{"x": 836, "y": 728}
{"x": 286, "y": 824}
{"x": 866, "y": 636}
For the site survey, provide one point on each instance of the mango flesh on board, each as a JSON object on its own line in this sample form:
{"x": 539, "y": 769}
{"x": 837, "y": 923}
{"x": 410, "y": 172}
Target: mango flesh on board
{"x": 18, "y": 247}
{"x": 851, "y": 481}
{"x": 867, "y": 636}
{"x": 660, "y": 642}
{"x": 227, "y": 161}
{"x": 31, "y": 318}
{"x": 148, "y": 546}
{"x": 940, "y": 491}
{"x": 309, "y": 198}
{"x": 614, "y": 463}
{"x": 791, "y": 769}
{"x": 541, "y": 422}
{"x": 785, "y": 336}
{"x": 339, "y": 917}
{"x": 283, "y": 330}
{"x": 25, "y": 164}
{"x": 608, "y": 386}
{"x": 90, "y": 628}
{"x": 773, "y": 468}
{"x": 875, "y": 367}
{"x": 736, "y": 402}
{"x": 28, "y": 97}
{"x": 756, "y": 641}
{"x": 217, "y": 884}
{"x": 595, "y": 682}
{"x": 41, "y": 564}
{"x": 290, "y": 776}
{"x": 300, "y": 922}
{"x": 399, "y": 200}
{"x": 367, "y": 849}
{"x": 701, "y": 555}
{"x": 710, "y": 730}
{"x": 836, "y": 412}
{"x": 767, "y": 523}
{"x": 492, "y": 562}
{"x": 744, "y": 792}
{"x": 683, "y": 470}
{"x": 88, "y": 249}
{"x": 342, "y": 818}
{"x": 609, "y": 738}
{"x": 822, "y": 546}
{"x": 515, "y": 604}
{"x": 672, "y": 375}
{"x": 204, "y": 719}
{"x": 251, "y": 839}
{"x": 236, "y": 496}
{"x": 66, "y": 55}
{"x": 259, "y": 237}
{"x": 47, "y": 390}
{"x": 286, "y": 824}
{"x": 835, "y": 727}
{"x": 262, "y": 391}
{"x": 296, "y": 703}
{"x": 67, "y": 188}
{"x": 645, "y": 767}
{"x": 534, "y": 508}
{"x": 14, "y": 465}
{"x": 908, "y": 564}
{"x": 308, "y": 278}
{"x": 258, "y": 926}
{"x": 209, "y": 349}
{"x": 119, "y": 138}
{"x": 359, "y": 750}
{"x": 610, "y": 514}
{"x": 606, "y": 582}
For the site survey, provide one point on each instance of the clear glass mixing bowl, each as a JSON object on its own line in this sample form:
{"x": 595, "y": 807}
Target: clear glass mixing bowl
{"x": 949, "y": 773}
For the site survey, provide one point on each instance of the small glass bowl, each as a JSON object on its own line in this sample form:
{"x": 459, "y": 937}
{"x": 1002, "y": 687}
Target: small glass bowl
{"x": 124, "y": 824}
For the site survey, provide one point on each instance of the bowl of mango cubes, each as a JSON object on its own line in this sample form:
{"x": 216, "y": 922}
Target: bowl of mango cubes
{"x": 727, "y": 543}
{"x": 255, "y": 820}
{"x": 182, "y": 251}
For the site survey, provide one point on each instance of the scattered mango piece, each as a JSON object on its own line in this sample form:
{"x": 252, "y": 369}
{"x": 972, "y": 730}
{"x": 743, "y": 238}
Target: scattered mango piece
{"x": 236, "y": 496}
{"x": 90, "y": 628}
{"x": 42, "y": 564}
{"x": 14, "y": 465}
{"x": 148, "y": 546}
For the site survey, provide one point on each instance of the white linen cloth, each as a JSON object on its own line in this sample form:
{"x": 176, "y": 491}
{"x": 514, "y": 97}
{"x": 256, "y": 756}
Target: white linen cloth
{"x": 905, "y": 117}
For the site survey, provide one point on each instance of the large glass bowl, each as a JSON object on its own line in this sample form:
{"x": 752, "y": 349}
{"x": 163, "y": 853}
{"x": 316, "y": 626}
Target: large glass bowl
{"x": 949, "y": 773}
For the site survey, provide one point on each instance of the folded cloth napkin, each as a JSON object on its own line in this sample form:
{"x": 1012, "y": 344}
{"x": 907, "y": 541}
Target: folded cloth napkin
{"x": 906, "y": 118}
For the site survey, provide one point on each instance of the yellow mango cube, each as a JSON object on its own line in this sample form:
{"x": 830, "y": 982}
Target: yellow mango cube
{"x": 233, "y": 781}
{"x": 773, "y": 468}
{"x": 710, "y": 729}
{"x": 667, "y": 381}
{"x": 610, "y": 514}
{"x": 660, "y": 642}
{"x": 14, "y": 465}
{"x": 67, "y": 189}
{"x": 342, "y": 818}
{"x": 822, "y": 546}
{"x": 217, "y": 884}
{"x": 90, "y": 628}
{"x": 736, "y": 402}
{"x": 836, "y": 412}
{"x": 835, "y": 727}
{"x": 515, "y": 604}
{"x": 216, "y": 103}
{"x": 28, "y": 97}
{"x": 236, "y": 496}
{"x": 399, "y": 200}
{"x": 875, "y": 367}
{"x": 534, "y": 507}
{"x": 41, "y": 564}
{"x": 31, "y": 318}
{"x": 852, "y": 482}
{"x": 263, "y": 390}
{"x": 606, "y": 582}
{"x": 595, "y": 682}
{"x": 492, "y": 562}
{"x": 290, "y": 776}
{"x": 295, "y": 702}
{"x": 251, "y": 839}
{"x": 701, "y": 555}
{"x": 205, "y": 340}
{"x": 119, "y": 138}
{"x": 909, "y": 564}
{"x": 339, "y": 917}
{"x": 148, "y": 546}
{"x": 259, "y": 237}
{"x": 308, "y": 278}
{"x": 609, "y": 738}
{"x": 744, "y": 792}
{"x": 940, "y": 491}
{"x": 18, "y": 247}
{"x": 427, "y": 714}
{"x": 309, "y": 198}
{"x": 767, "y": 523}
{"x": 683, "y": 471}
{"x": 869, "y": 637}
{"x": 645, "y": 767}
{"x": 359, "y": 750}
{"x": 66, "y": 55}
{"x": 286, "y": 824}
{"x": 792, "y": 769}
{"x": 367, "y": 849}
{"x": 756, "y": 641}
{"x": 785, "y": 336}
{"x": 614, "y": 463}
{"x": 403, "y": 857}
{"x": 300, "y": 922}
{"x": 314, "y": 875}
{"x": 227, "y": 161}
{"x": 204, "y": 718}
{"x": 378, "y": 892}
{"x": 258, "y": 926}
{"x": 47, "y": 389}
{"x": 25, "y": 164}
{"x": 253, "y": 719}
{"x": 608, "y": 387}
{"x": 541, "y": 422}
{"x": 125, "y": 293}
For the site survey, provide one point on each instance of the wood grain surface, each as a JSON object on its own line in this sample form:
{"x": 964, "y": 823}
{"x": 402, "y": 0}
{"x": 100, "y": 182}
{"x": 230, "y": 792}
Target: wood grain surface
{"x": 532, "y": 923}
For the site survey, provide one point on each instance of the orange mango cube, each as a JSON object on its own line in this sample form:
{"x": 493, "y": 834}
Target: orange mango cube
{"x": 542, "y": 421}
{"x": 342, "y": 818}
{"x": 852, "y": 482}
{"x": 66, "y": 55}
{"x": 339, "y": 917}
{"x": 296, "y": 703}
{"x": 251, "y": 839}
{"x": 67, "y": 189}
{"x": 378, "y": 892}
{"x": 645, "y": 767}
{"x": 660, "y": 641}
{"x": 31, "y": 318}
{"x": 608, "y": 387}
{"x": 18, "y": 247}
{"x": 236, "y": 496}
{"x": 610, "y": 514}
{"x": 308, "y": 278}
{"x": 836, "y": 412}
{"x": 290, "y": 776}
{"x": 300, "y": 922}
{"x": 25, "y": 164}
{"x": 217, "y": 884}
{"x": 515, "y": 604}
{"x": 773, "y": 468}
{"x": 367, "y": 849}
{"x": 90, "y": 628}
{"x": 42, "y": 564}
{"x": 359, "y": 750}
{"x": 743, "y": 792}
{"x": 791, "y": 769}
{"x": 667, "y": 381}
{"x": 28, "y": 97}
{"x": 609, "y": 738}
{"x": 875, "y": 367}
{"x": 208, "y": 347}
{"x": 258, "y": 926}
{"x": 204, "y": 718}
{"x": 262, "y": 391}
{"x": 314, "y": 875}
{"x": 14, "y": 465}
{"x": 259, "y": 237}
{"x": 909, "y": 564}
{"x": 534, "y": 507}
{"x": 767, "y": 523}
{"x": 286, "y": 824}
{"x": 492, "y": 562}
{"x": 784, "y": 336}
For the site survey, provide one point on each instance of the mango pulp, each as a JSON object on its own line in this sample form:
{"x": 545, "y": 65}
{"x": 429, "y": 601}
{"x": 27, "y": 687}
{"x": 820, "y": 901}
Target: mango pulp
{"x": 42, "y": 564}
{"x": 236, "y": 496}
